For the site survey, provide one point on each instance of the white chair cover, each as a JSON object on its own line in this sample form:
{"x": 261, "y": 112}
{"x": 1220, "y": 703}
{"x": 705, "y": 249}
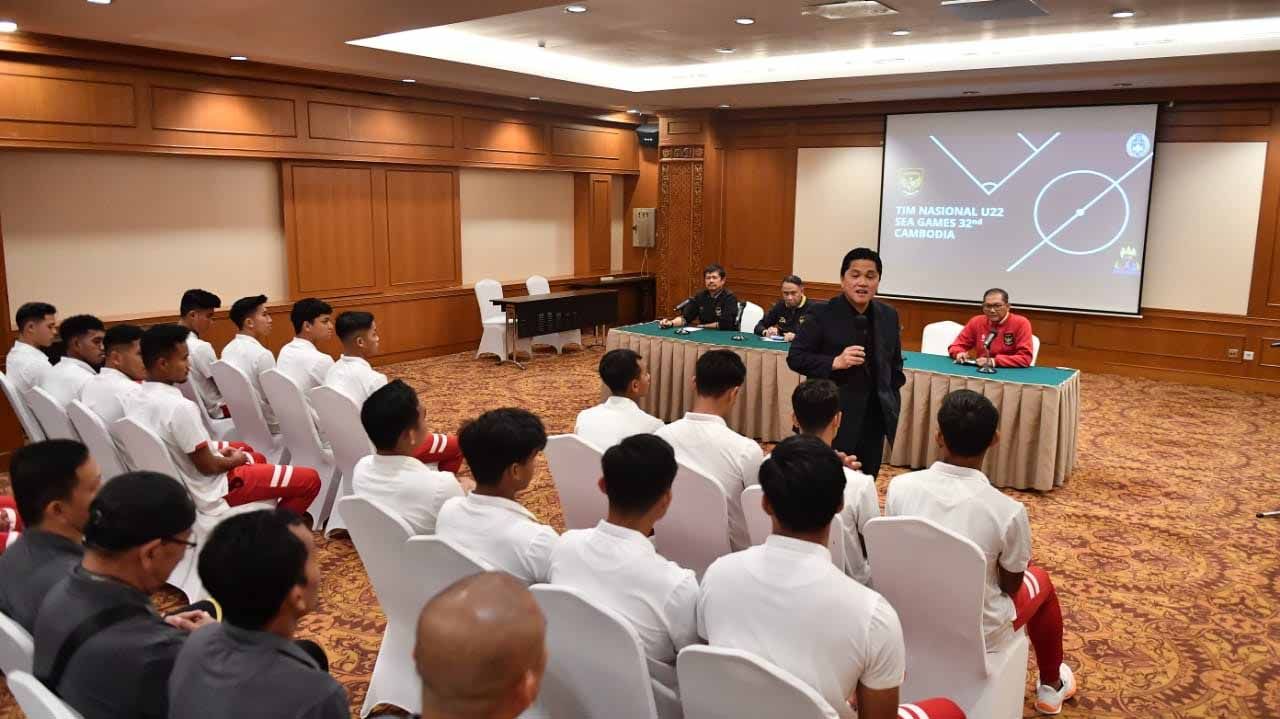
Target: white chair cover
{"x": 760, "y": 525}
{"x": 938, "y": 336}
{"x": 911, "y": 558}
{"x": 51, "y": 416}
{"x": 95, "y": 435}
{"x": 1035, "y": 349}
{"x": 752, "y": 313}
{"x": 246, "y": 413}
{"x": 222, "y": 430}
{"x": 493, "y": 322}
{"x": 17, "y": 651}
{"x": 35, "y": 699}
{"x": 538, "y": 285}
{"x": 339, "y": 419}
{"x": 30, "y": 426}
{"x": 695, "y": 531}
{"x": 299, "y": 431}
{"x": 575, "y": 469}
{"x": 720, "y": 683}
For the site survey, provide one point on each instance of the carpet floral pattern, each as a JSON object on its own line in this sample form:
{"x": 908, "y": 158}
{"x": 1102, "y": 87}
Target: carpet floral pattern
{"x": 1170, "y": 587}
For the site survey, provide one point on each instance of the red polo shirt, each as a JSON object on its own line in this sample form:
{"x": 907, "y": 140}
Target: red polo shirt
{"x": 1011, "y": 346}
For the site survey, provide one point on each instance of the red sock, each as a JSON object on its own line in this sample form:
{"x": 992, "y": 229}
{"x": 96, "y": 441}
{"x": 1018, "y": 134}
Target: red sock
{"x": 1037, "y": 606}
{"x": 937, "y": 708}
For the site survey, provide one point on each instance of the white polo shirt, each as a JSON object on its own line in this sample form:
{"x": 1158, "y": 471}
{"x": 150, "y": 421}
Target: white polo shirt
{"x": 202, "y": 359}
{"x": 64, "y": 380}
{"x": 613, "y": 420}
{"x": 104, "y": 394}
{"x": 301, "y": 362}
{"x": 354, "y": 377}
{"x": 705, "y": 442}
{"x": 175, "y": 419}
{"x": 247, "y": 354}
{"x": 785, "y": 602}
{"x": 619, "y": 568}
{"x": 861, "y": 505}
{"x": 25, "y": 365}
{"x": 501, "y": 532}
{"x": 405, "y": 485}
{"x": 963, "y": 501}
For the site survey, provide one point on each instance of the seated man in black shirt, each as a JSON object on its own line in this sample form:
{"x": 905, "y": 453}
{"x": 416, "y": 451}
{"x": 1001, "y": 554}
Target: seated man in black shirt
{"x": 714, "y": 308}
{"x": 53, "y": 482}
{"x": 99, "y": 644}
{"x": 262, "y": 568}
{"x": 787, "y": 314}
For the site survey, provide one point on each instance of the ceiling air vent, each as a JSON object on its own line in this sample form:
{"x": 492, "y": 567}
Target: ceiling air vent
{"x": 849, "y": 9}
{"x": 983, "y": 10}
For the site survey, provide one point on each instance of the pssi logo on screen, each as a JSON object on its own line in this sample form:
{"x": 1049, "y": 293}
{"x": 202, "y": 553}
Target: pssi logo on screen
{"x": 910, "y": 180}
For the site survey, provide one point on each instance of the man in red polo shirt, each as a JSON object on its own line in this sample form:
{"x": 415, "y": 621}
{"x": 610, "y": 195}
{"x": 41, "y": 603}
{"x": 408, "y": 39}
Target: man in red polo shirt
{"x": 1010, "y": 334}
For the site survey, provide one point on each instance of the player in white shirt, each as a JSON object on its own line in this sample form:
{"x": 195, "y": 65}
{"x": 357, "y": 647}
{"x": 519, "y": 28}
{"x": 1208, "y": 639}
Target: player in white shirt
{"x": 615, "y": 564}
{"x": 121, "y": 374}
{"x": 396, "y": 423}
{"x": 815, "y": 409}
{"x": 502, "y": 448}
{"x": 353, "y": 376}
{"x": 82, "y": 356}
{"x": 217, "y": 474}
{"x": 246, "y": 352}
{"x": 955, "y": 494}
{"x": 703, "y": 440}
{"x": 627, "y": 376}
{"x": 785, "y": 602}
{"x": 196, "y": 314}
{"x": 299, "y": 360}
{"x": 27, "y": 362}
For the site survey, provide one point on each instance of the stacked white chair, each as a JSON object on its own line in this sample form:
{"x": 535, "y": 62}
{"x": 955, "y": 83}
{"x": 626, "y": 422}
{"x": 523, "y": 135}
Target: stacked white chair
{"x": 305, "y": 448}
{"x": 17, "y": 651}
{"x": 222, "y": 430}
{"x": 95, "y": 435}
{"x": 35, "y": 699}
{"x": 246, "y": 413}
{"x": 911, "y": 557}
{"x": 695, "y": 531}
{"x": 1035, "y": 349}
{"x": 575, "y": 469}
{"x": 760, "y": 525}
{"x": 938, "y": 336}
{"x": 52, "y": 417}
{"x": 493, "y": 322}
{"x": 30, "y": 426}
{"x": 719, "y": 683}
{"x": 538, "y": 285}
{"x": 339, "y": 419}
{"x": 752, "y": 313}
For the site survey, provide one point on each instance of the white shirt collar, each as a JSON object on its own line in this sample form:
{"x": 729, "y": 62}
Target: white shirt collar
{"x": 357, "y": 360}
{"x": 20, "y": 346}
{"x": 398, "y": 462}
{"x": 242, "y": 337}
{"x": 797, "y": 546}
{"x": 114, "y": 373}
{"x": 78, "y": 363}
{"x": 710, "y": 418}
{"x": 625, "y": 534}
{"x": 161, "y": 387}
{"x": 502, "y": 503}
{"x": 304, "y": 343}
{"x": 956, "y": 472}
{"x": 618, "y": 402}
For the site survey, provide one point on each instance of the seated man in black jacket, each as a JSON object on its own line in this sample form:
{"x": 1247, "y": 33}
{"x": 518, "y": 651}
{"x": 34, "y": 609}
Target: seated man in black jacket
{"x": 787, "y": 314}
{"x": 714, "y": 308}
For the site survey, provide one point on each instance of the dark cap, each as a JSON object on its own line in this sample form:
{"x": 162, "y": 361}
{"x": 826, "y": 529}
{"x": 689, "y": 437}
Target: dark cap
{"x": 138, "y": 507}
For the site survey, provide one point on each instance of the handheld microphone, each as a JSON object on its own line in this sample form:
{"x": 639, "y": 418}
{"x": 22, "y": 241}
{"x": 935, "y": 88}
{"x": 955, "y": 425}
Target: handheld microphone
{"x": 860, "y": 326}
{"x": 1275, "y": 344}
{"x": 986, "y": 341}
{"x": 684, "y": 304}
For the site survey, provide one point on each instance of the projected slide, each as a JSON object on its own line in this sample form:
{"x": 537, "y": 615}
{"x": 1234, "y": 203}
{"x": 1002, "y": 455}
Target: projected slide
{"x": 1050, "y": 205}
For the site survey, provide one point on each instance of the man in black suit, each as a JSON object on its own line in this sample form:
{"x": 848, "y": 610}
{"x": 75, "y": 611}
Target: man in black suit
{"x": 714, "y": 308}
{"x": 855, "y": 341}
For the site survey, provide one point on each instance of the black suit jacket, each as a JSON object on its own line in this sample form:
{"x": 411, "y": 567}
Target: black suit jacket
{"x": 828, "y": 330}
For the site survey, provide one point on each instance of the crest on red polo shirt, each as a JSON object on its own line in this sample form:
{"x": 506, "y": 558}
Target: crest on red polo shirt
{"x": 1008, "y": 338}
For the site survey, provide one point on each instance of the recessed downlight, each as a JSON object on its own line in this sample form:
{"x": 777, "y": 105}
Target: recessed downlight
{"x": 726, "y": 50}
{"x": 901, "y": 32}
{"x": 408, "y": 80}
{"x": 969, "y": 92}
{"x": 1124, "y": 84}
{"x": 725, "y": 106}
{"x": 238, "y": 58}
{"x": 745, "y": 20}
{"x": 99, "y": 2}
{"x": 8, "y": 26}
{"x": 575, "y": 9}
{"x": 1122, "y": 14}
{"x": 633, "y": 111}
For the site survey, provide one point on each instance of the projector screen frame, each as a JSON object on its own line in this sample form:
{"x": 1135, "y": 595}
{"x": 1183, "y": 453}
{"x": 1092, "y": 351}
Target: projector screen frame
{"x": 1142, "y": 276}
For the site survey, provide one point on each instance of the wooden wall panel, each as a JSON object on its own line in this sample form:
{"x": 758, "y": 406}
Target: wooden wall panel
{"x": 759, "y": 212}
{"x": 505, "y": 136}
{"x": 195, "y": 111}
{"x": 29, "y": 98}
{"x": 1209, "y": 346}
{"x": 366, "y": 124}
{"x": 639, "y": 191}
{"x": 601, "y": 144}
{"x": 592, "y": 224}
{"x": 331, "y": 240}
{"x": 423, "y": 231}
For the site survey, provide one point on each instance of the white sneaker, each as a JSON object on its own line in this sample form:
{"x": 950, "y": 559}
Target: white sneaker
{"x": 1048, "y": 699}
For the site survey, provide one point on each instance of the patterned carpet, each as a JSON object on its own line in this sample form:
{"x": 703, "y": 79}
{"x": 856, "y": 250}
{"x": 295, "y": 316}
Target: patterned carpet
{"x": 1169, "y": 584}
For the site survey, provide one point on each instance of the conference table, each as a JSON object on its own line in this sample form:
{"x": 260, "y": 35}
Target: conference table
{"x": 1039, "y": 406}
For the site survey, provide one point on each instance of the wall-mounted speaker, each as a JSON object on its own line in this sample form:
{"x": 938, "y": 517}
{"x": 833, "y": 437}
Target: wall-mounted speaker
{"x": 648, "y": 134}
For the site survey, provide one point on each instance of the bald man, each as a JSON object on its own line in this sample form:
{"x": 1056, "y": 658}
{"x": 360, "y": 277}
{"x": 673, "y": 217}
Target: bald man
{"x": 481, "y": 649}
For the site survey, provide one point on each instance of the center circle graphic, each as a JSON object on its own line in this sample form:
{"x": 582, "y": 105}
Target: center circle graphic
{"x": 1109, "y": 185}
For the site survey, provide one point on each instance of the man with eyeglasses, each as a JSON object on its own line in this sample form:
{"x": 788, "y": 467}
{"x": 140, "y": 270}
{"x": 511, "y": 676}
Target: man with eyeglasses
{"x": 996, "y": 338}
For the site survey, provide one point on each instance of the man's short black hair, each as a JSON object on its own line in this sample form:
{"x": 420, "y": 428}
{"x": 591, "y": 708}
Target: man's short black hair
{"x": 716, "y": 268}
{"x": 78, "y": 325}
{"x": 43, "y": 472}
{"x": 718, "y": 371}
{"x": 194, "y": 300}
{"x": 793, "y": 279}
{"x": 351, "y": 323}
{"x": 160, "y": 341}
{"x": 861, "y": 253}
{"x": 136, "y": 508}
{"x": 121, "y": 335}
{"x": 498, "y": 439}
{"x": 307, "y": 310}
{"x": 618, "y": 368}
{"x": 815, "y": 403}
{"x": 33, "y": 312}
{"x": 968, "y": 422}
{"x": 389, "y": 413}
{"x": 245, "y": 306}
{"x": 251, "y": 562}
{"x": 637, "y": 472}
{"x": 1004, "y": 296}
{"x": 804, "y": 482}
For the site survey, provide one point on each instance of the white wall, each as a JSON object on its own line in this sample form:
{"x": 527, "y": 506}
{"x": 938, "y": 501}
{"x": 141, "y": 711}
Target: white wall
{"x": 837, "y": 207}
{"x": 516, "y": 223}
{"x": 120, "y": 234}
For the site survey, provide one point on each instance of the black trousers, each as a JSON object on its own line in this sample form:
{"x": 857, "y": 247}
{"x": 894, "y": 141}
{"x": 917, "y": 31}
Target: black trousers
{"x": 862, "y": 431}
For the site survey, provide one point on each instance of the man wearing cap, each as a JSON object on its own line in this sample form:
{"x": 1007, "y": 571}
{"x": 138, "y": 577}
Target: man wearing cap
{"x": 99, "y": 644}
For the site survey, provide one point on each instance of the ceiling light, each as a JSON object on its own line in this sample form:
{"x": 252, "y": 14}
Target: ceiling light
{"x": 903, "y": 32}
{"x": 408, "y": 80}
{"x": 575, "y": 9}
{"x": 1122, "y": 14}
{"x": 745, "y": 20}
{"x": 1124, "y": 84}
{"x": 99, "y": 2}
{"x": 238, "y": 58}
{"x": 8, "y": 26}
{"x": 725, "y": 50}
{"x": 633, "y": 111}
{"x": 970, "y": 92}
{"x": 725, "y": 106}
{"x": 535, "y": 98}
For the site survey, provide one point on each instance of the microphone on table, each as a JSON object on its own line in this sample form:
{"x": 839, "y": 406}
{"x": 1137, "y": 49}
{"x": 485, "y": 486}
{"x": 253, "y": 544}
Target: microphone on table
{"x": 684, "y": 304}
{"x": 1275, "y": 344}
{"x": 986, "y": 346}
